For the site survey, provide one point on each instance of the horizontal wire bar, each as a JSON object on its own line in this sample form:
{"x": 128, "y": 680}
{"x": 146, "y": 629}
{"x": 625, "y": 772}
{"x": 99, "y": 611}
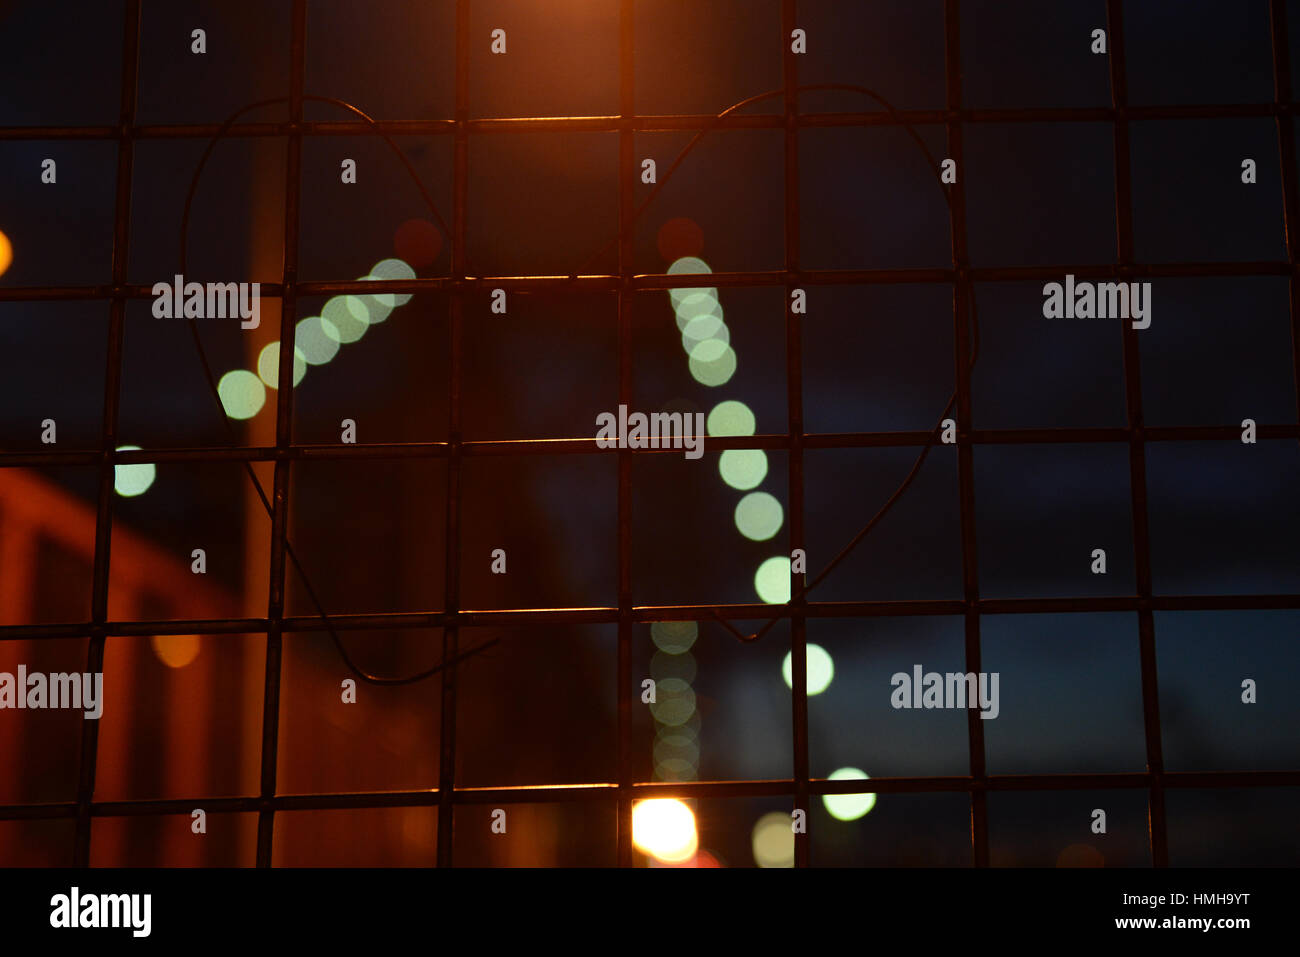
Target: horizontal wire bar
{"x": 570, "y": 793}
{"x": 587, "y": 446}
{"x": 649, "y": 282}
{"x": 652, "y": 123}
{"x": 523, "y": 617}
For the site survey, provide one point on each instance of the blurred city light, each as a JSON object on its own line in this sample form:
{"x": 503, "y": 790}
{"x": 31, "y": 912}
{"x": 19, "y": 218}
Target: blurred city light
{"x": 317, "y": 344}
{"x": 393, "y": 269}
{"x": 848, "y": 807}
{"x": 674, "y": 637}
{"x": 820, "y": 668}
{"x": 268, "y": 365}
{"x": 773, "y": 840}
{"x": 743, "y": 468}
{"x": 759, "y": 516}
{"x": 347, "y": 318}
{"x": 664, "y": 828}
{"x": 772, "y": 580}
{"x": 713, "y": 363}
{"x": 731, "y": 418}
{"x": 242, "y": 394}
{"x": 134, "y": 479}
{"x": 674, "y": 702}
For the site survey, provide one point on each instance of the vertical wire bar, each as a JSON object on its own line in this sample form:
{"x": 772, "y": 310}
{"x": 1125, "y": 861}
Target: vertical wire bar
{"x": 961, "y": 302}
{"x": 283, "y": 439}
{"x": 626, "y": 303}
{"x": 1286, "y": 148}
{"x": 794, "y": 413}
{"x": 451, "y": 597}
{"x": 112, "y": 382}
{"x": 1157, "y": 830}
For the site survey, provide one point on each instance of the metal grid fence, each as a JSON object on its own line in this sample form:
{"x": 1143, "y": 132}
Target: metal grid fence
{"x": 978, "y": 783}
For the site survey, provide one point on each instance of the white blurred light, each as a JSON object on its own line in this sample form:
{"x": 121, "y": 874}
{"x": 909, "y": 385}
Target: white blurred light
{"x": 759, "y": 516}
{"x": 731, "y": 418}
{"x": 268, "y": 365}
{"x": 743, "y": 468}
{"x": 690, "y": 265}
{"x": 346, "y": 318}
{"x": 317, "y": 344}
{"x": 695, "y": 304}
{"x": 664, "y": 828}
{"x": 134, "y": 479}
{"x": 242, "y": 394}
{"x": 393, "y": 269}
{"x": 772, "y": 580}
{"x": 705, "y": 329}
{"x": 848, "y": 807}
{"x": 821, "y": 669}
{"x": 711, "y": 365}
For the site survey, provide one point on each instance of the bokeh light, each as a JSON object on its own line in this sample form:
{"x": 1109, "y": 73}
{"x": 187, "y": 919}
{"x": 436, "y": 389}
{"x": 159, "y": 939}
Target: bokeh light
{"x": 773, "y": 840}
{"x": 418, "y": 242}
{"x": 394, "y": 269}
{"x": 689, "y": 265}
{"x": 709, "y": 366}
{"x": 676, "y": 756}
{"x": 268, "y": 365}
{"x": 674, "y": 637}
{"x": 175, "y": 651}
{"x": 674, "y": 702}
{"x": 242, "y": 394}
{"x": 759, "y": 516}
{"x": 772, "y": 580}
{"x": 742, "y": 469}
{"x": 690, "y": 728}
{"x": 696, "y": 303}
{"x": 848, "y": 807}
{"x": 702, "y": 329}
{"x": 6, "y": 253}
{"x": 820, "y": 667}
{"x": 682, "y": 667}
{"x": 378, "y": 305}
{"x": 707, "y": 350}
{"x": 346, "y": 318}
{"x": 731, "y": 418}
{"x": 134, "y": 479}
{"x": 317, "y": 344}
{"x": 664, "y": 828}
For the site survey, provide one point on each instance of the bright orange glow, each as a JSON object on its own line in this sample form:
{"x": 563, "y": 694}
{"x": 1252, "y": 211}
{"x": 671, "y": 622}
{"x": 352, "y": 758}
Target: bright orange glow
{"x": 702, "y": 858}
{"x": 664, "y": 828}
{"x": 175, "y": 651}
{"x": 6, "y": 253}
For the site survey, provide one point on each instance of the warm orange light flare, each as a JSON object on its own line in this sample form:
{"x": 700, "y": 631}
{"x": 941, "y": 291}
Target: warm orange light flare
{"x": 664, "y": 828}
{"x": 175, "y": 651}
{"x": 6, "y": 253}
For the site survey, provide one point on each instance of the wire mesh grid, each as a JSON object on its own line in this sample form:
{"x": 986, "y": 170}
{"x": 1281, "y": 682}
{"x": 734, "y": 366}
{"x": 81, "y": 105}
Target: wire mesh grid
{"x": 627, "y": 284}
